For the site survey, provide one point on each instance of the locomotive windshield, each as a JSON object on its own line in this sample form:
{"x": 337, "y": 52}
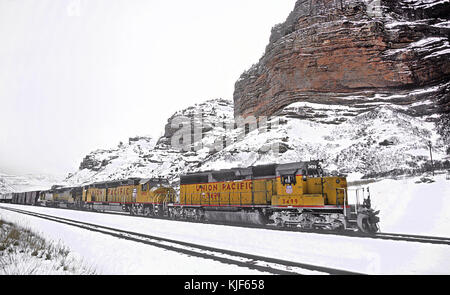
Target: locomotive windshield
{"x": 288, "y": 180}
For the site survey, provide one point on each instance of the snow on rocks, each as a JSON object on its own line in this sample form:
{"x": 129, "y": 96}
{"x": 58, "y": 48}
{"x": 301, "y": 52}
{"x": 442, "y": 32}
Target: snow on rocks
{"x": 28, "y": 182}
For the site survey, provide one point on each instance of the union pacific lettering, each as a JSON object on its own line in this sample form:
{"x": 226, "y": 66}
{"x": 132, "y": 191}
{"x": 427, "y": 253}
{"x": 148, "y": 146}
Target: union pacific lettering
{"x": 225, "y": 186}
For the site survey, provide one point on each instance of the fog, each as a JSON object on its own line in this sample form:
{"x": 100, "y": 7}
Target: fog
{"x": 78, "y": 75}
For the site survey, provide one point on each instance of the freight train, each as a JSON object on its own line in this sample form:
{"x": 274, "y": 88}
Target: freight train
{"x": 284, "y": 195}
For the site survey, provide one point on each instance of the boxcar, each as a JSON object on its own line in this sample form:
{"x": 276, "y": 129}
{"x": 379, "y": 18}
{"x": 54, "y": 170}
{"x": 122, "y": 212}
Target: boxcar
{"x": 6, "y": 198}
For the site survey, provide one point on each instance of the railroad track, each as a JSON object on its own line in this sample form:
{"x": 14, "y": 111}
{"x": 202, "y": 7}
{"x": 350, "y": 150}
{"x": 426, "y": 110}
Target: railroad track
{"x": 413, "y": 238}
{"x": 354, "y": 234}
{"x": 255, "y": 262}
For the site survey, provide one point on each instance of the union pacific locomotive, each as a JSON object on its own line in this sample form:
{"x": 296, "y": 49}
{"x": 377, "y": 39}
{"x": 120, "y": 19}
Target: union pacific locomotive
{"x": 285, "y": 195}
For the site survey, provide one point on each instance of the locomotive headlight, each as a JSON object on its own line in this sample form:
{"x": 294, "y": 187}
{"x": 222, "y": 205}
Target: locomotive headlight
{"x": 338, "y": 181}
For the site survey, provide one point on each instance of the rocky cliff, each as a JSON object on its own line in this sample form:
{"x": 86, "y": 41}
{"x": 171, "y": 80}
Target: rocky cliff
{"x": 354, "y": 53}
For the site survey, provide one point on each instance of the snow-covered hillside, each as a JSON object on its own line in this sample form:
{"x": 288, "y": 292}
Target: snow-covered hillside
{"x": 145, "y": 157}
{"x": 28, "y": 182}
{"x": 371, "y": 141}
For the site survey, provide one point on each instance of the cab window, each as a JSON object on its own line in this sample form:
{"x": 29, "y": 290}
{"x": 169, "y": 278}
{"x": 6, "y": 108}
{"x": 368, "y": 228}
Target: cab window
{"x": 288, "y": 180}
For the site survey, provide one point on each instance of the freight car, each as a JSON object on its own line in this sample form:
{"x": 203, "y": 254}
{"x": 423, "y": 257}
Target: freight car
{"x": 32, "y": 198}
{"x": 6, "y": 198}
{"x": 26, "y": 198}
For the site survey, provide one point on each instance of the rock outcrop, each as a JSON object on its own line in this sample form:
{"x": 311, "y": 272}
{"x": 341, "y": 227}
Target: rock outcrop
{"x": 353, "y": 53}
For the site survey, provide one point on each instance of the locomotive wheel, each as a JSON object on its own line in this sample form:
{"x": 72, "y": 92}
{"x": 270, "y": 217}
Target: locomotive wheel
{"x": 338, "y": 226}
{"x": 279, "y": 222}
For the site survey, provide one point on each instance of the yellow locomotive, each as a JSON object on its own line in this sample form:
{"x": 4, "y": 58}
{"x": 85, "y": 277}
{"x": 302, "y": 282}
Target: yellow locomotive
{"x": 147, "y": 197}
{"x": 63, "y": 197}
{"x": 295, "y": 194}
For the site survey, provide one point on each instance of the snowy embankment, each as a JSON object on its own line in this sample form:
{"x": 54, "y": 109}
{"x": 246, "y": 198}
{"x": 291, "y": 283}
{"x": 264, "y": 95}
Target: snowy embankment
{"x": 114, "y": 256}
{"x": 22, "y": 252}
{"x": 408, "y": 207}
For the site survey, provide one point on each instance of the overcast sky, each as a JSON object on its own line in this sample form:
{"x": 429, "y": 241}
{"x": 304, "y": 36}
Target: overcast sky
{"x": 81, "y": 75}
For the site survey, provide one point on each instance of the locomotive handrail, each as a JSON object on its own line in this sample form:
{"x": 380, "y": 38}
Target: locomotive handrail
{"x": 344, "y": 191}
{"x": 337, "y": 197}
{"x": 345, "y": 198}
{"x": 357, "y": 201}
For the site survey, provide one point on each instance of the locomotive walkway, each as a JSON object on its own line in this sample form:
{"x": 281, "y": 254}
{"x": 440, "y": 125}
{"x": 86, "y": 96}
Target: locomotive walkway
{"x": 264, "y": 264}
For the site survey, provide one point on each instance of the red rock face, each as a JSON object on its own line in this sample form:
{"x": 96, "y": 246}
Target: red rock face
{"x": 332, "y": 51}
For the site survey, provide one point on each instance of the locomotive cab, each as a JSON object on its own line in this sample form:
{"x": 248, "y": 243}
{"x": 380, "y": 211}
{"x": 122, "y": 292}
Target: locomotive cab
{"x": 308, "y": 199}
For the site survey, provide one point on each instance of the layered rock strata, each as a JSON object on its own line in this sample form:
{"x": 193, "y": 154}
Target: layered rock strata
{"x": 353, "y": 53}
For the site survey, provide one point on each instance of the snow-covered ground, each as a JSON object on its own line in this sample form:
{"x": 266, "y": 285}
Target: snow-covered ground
{"x": 23, "y": 252}
{"x": 112, "y": 256}
{"x": 406, "y": 207}
{"x": 115, "y": 256}
{"x": 415, "y": 208}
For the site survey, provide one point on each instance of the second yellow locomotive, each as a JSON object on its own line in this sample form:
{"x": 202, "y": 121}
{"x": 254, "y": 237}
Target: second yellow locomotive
{"x": 145, "y": 197}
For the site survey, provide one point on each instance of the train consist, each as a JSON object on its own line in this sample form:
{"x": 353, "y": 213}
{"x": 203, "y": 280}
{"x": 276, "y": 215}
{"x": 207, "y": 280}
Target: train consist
{"x": 285, "y": 195}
